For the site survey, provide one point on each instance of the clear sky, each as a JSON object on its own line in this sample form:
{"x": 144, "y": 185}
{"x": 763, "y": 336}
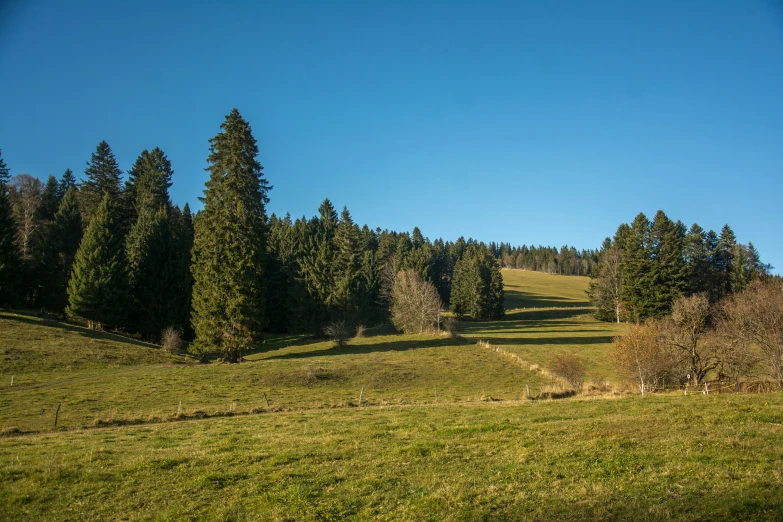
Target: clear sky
{"x": 540, "y": 122}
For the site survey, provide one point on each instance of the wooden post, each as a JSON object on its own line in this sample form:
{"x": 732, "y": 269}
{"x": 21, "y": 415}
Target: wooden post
{"x": 57, "y": 415}
{"x": 267, "y": 400}
{"x": 527, "y": 390}
{"x": 179, "y": 409}
{"x": 361, "y": 394}
{"x": 436, "y": 394}
{"x": 12, "y": 380}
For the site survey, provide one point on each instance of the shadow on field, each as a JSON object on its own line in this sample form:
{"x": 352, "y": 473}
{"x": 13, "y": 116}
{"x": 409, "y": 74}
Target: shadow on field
{"x": 355, "y": 346}
{"x": 518, "y": 299}
{"x": 81, "y": 330}
{"x": 520, "y": 341}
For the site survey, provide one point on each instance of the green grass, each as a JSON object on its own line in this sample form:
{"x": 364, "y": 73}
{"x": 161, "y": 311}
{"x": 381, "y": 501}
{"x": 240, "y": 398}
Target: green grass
{"x": 659, "y": 458}
{"x": 293, "y": 373}
{"x": 547, "y": 315}
{"x": 478, "y": 450}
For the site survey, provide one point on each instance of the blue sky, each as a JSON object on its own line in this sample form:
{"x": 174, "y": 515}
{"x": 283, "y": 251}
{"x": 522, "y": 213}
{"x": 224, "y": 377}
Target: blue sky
{"x": 527, "y": 122}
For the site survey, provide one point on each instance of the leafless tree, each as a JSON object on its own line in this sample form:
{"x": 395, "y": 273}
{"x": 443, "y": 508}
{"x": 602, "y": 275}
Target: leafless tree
{"x": 570, "y": 367}
{"x": 753, "y": 319}
{"x": 687, "y": 333}
{"x": 642, "y": 356}
{"x": 25, "y": 198}
{"x": 606, "y": 289}
{"x": 415, "y": 306}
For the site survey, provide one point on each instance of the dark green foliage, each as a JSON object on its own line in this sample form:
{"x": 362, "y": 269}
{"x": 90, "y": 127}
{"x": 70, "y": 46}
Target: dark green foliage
{"x": 5, "y": 172}
{"x": 97, "y": 290}
{"x": 102, "y": 177}
{"x": 157, "y": 248}
{"x": 318, "y": 264}
{"x": 659, "y": 262}
{"x": 477, "y": 288}
{"x": 50, "y": 201}
{"x": 67, "y": 181}
{"x": 230, "y": 246}
{"x": 9, "y": 255}
{"x": 63, "y": 238}
{"x": 347, "y": 275}
{"x": 668, "y": 272}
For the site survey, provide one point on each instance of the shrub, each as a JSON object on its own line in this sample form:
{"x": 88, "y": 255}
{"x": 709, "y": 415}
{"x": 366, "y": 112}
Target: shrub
{"x": 360, "y": 331}
{"x": 571, "y": 368}
{"x": 337, "y": 332}
{"x": 171, "y": 340}
{"x": 449, "y": 325}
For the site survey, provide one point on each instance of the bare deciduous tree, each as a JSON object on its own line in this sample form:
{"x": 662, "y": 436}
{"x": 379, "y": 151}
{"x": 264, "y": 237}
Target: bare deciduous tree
{"x": 415, "y": 305}
{"x": 25, "y": 200}
{"x": 754, "y": 321}
{"x": 642, "y": 356}
{"x": 686, "y": 333}
{"x": 570, "y": 367}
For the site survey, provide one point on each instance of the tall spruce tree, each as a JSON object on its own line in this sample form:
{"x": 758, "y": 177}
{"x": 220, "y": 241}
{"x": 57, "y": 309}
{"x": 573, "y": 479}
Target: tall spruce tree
{"x": 150, "y": 246}
{"x": 9, "y": 255}
{"x": 102, "y": 177}
{"x": 668, "y": 271}
{"x": 318, "y": 266}
{"x": 181, "y": 281}
{"x": 67, "y": 180}
{"x": 97, "y": 290}
{"x": 637, "y": 251}
{"x": 65, "y": 235}
{"x": 347, "y": 276}
{"x": 230, "y": 245}
{"x": 50, "y": 201}
{"x": 477, "y": 288}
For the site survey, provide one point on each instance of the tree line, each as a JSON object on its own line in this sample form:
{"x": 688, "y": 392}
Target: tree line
{"x": 564, "y": 261}
{"x": 123, "y": 255}
{"x": 648, "y": 265}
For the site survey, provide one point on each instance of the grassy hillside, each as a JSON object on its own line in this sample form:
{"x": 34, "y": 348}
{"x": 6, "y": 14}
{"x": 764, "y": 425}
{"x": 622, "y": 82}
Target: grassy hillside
{"x": 548, "y": 315}
{"x": 444, "y": 431}
{"x": 92, "y": 378}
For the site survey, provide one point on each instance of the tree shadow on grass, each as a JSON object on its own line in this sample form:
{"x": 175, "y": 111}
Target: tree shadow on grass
{"x": 522, "y": 341}
{"x": 519, "y": 299}
{"x": 356, "y": 347}
{"x": 31, "y": 319}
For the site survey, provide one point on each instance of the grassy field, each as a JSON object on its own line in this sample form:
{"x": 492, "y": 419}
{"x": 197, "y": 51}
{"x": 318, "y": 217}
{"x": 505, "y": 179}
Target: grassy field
{"x": 548, "y": 315}
{"x": 444, "y": 431}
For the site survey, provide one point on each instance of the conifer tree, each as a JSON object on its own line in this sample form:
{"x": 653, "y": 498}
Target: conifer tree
{"x": 477, "y": 288}
{"x": 668, "y": 272}
{"x": 230, "y": 245}
{"x": 9, "y": 256}
{"x": 67, "y": 180}
{"x": 50, "y": 201}
{"x": 102, "y": 177}
{"x": 318, "y": 266}
{"x": 636, "y": 250}
{"x": 347, "y": 276}
{"x": 181, "y": 281}
{"x": 64, "y": 235}
{"x": 97, "y": 290}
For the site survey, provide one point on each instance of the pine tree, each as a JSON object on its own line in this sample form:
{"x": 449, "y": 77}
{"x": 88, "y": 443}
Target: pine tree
{"x": 181, "y": 289}
{"x": 97, "y": 290}
{"x": 668, "y": 271}
{"x": 103, "y": 177}
{"x": 50, "y": 201}
{"x": 318, "y": 266}
{"x": 67, "y": 181}
{"x": 148, "y": 250}
{"x": 347, "y": 263}
{"x": 230, "y": 245}
{"x": 477, "y": 288}
{"x": 637, "y": 252}
{"x": 64, "y": 235}
{"x": 5, "y": 172}
{"x": 9, "y": 255}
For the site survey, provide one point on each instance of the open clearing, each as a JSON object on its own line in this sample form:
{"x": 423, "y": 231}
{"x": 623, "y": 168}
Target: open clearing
{"x": 444, "y": 431}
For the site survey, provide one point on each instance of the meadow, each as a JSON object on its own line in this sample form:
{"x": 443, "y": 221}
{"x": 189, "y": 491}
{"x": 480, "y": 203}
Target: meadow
{"x": 446, "y": 429}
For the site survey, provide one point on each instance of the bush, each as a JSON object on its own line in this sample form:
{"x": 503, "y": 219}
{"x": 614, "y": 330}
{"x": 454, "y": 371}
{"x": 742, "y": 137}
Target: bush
{"x": 571, "y": 368}
{"x": 360, "y": 331}
{"x": 171, "y": 340}
{"x": 449, "y": 325}
{"x": 337, "y": 332}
